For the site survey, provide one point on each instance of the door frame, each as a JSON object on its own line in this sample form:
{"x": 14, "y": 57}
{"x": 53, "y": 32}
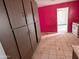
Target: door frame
{"x": 67, "y": 17}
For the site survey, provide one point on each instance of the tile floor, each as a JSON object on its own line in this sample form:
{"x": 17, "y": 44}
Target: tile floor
{"x": 56, "y": 46}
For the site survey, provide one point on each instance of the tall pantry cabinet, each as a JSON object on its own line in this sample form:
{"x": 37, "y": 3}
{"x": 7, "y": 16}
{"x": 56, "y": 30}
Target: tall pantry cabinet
{"x": 36, "y": 19}
{"x": 18, "y": 29}
{"x": 30, "y": 21}
{"x": 6, "y": 35}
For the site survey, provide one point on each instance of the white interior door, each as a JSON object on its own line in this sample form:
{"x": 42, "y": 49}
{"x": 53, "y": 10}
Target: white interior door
{"x": 62, "y": 19}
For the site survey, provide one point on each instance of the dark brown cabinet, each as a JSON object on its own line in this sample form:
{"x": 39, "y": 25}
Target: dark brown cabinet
{"x": 24, "y": 43}
{"x": 16, "y": 13}
{"x": 74, "y": 55}
{"x": 30, "y": 22}
{"x": 28, "y": 11}
{"x": 38, "y": 31}
{"x": 6, "y": 35}
{"x": 35, "y": 10}
{"x": 36, "y": 19}
{"x": 19, "y": 28}
{"x": 32, "y": 35}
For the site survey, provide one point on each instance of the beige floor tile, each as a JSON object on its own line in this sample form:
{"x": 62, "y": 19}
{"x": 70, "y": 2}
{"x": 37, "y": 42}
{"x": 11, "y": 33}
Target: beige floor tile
{"x": 52, "y": 56}
{"x": 60, "y": 53}
{"x": 52, "y": 52}
{"x": 42, "y": 51}
{"x": 68, "y": 57}
{"x": 61, "y": 57}
{"x": 56, "y": 46}
{"x": 44, "y": 56}
{"x": 36, "y": 56}
{"x": 68, "y": 53}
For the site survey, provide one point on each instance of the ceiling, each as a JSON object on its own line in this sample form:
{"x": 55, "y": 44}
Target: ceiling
{"x": 42, "y": 3}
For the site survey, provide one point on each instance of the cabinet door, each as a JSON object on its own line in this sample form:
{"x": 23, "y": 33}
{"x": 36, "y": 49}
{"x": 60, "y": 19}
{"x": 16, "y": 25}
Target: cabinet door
{"x": 6, "y": 36}
{"x": 28, "y": 11}
{"x": 32, "y": 35}
{"x": 35, "y": 10}
{"x": 36, "y": 19}
{"x": 16, "y": 13}
{"x": 38, "y": 31}
{"x": 24, "y": 43}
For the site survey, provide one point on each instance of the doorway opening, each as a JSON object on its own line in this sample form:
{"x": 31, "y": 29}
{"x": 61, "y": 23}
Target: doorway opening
{"x": 62, "y": 19}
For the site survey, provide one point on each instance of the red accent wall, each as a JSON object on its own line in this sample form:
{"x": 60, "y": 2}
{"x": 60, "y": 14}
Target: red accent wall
{"x": 48, "y": 16}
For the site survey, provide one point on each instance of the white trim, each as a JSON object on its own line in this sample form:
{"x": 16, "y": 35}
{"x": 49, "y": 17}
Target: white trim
{"x": 42, "y": 3}
{"x": 60, "y": 9}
